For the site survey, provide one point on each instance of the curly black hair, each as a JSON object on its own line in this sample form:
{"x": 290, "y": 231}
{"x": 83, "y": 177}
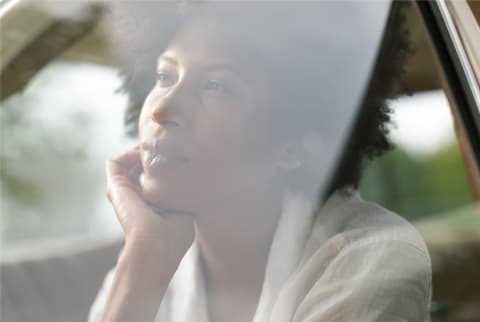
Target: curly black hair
{"x": 145, "y": 31}
{"x": 369, "y": 137}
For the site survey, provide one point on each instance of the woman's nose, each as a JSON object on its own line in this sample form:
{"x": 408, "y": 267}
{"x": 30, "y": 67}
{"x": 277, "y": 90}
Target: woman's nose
{"x": 166, "y": 109}
{"x": 166, "y": 120}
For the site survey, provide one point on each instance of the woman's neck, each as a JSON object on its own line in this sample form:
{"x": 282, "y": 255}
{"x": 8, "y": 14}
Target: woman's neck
{"x": 234, "y": 251}
{"x": 236, "y": 246}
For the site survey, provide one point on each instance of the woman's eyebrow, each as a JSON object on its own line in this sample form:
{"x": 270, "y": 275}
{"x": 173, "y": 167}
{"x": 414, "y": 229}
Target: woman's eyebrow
{"x": 235, "y": 68}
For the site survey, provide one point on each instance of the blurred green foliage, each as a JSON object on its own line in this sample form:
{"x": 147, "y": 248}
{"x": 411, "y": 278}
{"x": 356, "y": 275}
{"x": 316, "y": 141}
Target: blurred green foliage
{"x": 417, "y": 186}
{"x": 14, "y": 186}
{"x": 24, "y": 137}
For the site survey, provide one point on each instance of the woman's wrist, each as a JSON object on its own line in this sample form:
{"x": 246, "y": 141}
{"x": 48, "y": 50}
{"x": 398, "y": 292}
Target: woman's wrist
{"x": 143, "y": 273}
{"x": 167, "y": 250}
{"x": 163, "y": 259}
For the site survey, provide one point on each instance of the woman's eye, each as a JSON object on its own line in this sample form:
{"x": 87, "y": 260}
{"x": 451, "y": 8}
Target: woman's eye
{"x": 214, "y": 85}
{"x": 164, "y": 79}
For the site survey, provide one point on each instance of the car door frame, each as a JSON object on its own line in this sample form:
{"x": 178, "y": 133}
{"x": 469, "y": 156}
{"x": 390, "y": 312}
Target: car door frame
{"x": 458, "y": 60}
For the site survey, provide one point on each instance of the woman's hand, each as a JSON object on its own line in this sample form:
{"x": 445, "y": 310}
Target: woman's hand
{"x": 139, "y": 220}
{"x": 154, "y": 245}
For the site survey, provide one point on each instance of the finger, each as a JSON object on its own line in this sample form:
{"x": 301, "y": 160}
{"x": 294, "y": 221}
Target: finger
{"x": 124, "y": 170}
{"x": 128, "y": 163}
{"x": 123, "y": 192}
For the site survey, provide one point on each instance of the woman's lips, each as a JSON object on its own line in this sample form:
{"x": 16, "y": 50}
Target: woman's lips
{"x": 159, "y": 153}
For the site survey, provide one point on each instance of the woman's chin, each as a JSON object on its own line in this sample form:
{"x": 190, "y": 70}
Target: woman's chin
{"x": 160, "y": 196}
{"x": 153, "y": 193}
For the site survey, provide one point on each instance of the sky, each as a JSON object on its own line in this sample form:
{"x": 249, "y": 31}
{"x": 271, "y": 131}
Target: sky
{"x": 423, "y": 122}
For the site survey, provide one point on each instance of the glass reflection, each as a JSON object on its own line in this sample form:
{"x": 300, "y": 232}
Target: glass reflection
{"x": 241, "y": 127}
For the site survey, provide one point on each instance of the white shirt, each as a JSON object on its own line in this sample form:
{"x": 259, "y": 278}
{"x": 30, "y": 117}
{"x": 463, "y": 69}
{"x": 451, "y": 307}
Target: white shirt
{"x": 350, "y": 261}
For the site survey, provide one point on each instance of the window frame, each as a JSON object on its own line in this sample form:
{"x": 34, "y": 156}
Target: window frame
{"x": 457, "y": 70}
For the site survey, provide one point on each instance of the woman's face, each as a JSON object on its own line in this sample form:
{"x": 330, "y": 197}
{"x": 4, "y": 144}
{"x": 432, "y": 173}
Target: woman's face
{"x": 205, "y": 127}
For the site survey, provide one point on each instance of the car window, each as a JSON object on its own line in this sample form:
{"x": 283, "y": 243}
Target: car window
{"x": 435, "y": 184}
{"x": 79, "y": 134}
{"x": 328, "y": 141}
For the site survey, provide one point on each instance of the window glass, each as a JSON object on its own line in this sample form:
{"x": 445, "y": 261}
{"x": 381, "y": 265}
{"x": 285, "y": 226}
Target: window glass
{"x": 299, "y": 159}
{"x": 68, "y": 117}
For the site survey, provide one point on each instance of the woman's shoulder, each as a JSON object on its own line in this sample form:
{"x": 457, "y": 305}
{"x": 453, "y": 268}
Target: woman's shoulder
{"x": 361, "y": 262}
{"x": 353, "y": 239}
{"x": 348, "y": 221}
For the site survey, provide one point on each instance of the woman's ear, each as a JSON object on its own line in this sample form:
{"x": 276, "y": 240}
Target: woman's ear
{"x": 290, "y": 156}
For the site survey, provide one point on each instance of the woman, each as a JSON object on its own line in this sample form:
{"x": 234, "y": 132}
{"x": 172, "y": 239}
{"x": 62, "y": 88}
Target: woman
{"x": 217, "y": 201}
